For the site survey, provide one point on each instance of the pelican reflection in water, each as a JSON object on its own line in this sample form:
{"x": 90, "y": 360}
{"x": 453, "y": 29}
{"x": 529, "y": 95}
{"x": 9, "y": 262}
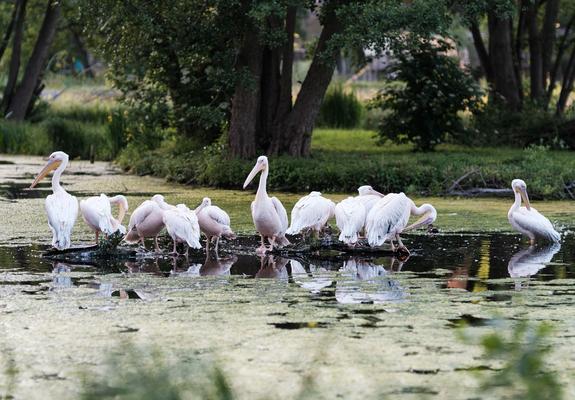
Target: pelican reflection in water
{"x": 368, "y": 283}
{"x": 530, "y": 261}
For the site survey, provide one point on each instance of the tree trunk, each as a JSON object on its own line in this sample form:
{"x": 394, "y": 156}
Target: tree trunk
{"x": 9, "y": 29}
{"x": 505, "y": 84}
{"x": 535, "y": 54}
{"x": 563, "y": 45}
{"x": 295, "y": 130}
{"x": 21, "y": 101}
{"x": 14, "y": 68}
{"x": 567, "y": 84}
{"x": 548, "y": 36}
{"x": 246, "y": 100}
{"x": 481, "y": 51}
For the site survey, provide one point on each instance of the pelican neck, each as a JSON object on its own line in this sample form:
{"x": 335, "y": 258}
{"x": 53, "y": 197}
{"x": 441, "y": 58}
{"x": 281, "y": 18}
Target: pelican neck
{"x": 56, "y": 187}
{"x": 262, "y": 192}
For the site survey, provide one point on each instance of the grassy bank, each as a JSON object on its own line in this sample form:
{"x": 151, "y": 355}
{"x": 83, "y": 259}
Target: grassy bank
{"x": 344, "y": 159}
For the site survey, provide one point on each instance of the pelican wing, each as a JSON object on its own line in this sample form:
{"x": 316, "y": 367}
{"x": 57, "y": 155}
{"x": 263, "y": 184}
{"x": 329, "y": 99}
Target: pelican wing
{"x": 312, "y": 211}
{"x": 62, "y": 210}
{"x": 387, "y": 218}
{"x": 282, "y": 213}
{"x": 97, "y": 213}
{"x": 218, "y": 215}
{"x": 349, "y": 218}
{"x": 536, "y": 223}
{"x": 182, "y": 226}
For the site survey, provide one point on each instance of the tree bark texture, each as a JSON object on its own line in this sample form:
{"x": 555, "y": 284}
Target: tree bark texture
{"x": 21, "y": 101}
{"x": 505, "y": 82}
{"x": 14, "y": 68}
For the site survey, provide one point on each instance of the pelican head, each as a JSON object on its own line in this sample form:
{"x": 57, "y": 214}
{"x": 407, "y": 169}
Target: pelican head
{"x": 158, "y": 198}
{"x": 366, "y": 190}
{"x": 315, "y": 194}
{"x": 261, "y": 164}
{"x": 206, "y": 202}
{"x": 519, "y": 186}
{"x": 54, "y": 161}
{"x": 429, "y": 216}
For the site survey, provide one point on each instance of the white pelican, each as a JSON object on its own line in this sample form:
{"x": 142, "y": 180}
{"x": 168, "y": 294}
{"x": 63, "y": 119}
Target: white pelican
{"x": 182, "y": 226}
{"x": 528, "y": 220}
{"x": 311, "y": 212}
{"x": 97, "y": 213}
{"x": 368, "y": 196}
{"x": 389, "y": 217}
{"x": 214, "y": 222}
{"x": 269, "y": 214}
{"x": 146, "y": 221}
{"x": 61, "y": 207}
{"x": 350, "y": 217}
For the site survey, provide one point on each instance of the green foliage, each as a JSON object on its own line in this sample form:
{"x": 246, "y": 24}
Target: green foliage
{"x": 137, "y": 373}
{"x": 342, "y": 160}
{"x": 424, "y": 111}
{"x": 522, "y": 352}
{"x": 493, "y": 125}
{"x": 340, "y": 109}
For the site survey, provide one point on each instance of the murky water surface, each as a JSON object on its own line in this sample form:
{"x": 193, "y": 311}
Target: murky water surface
{"x": 361, "y": 324}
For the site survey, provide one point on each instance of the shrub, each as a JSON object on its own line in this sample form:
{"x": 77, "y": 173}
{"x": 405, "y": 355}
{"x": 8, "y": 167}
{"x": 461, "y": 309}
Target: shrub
{"x": 340, "y": 109}
{"x": 493, "y": 125}
{"x": 424, "y": 109}
{"x": 77, "y": 139}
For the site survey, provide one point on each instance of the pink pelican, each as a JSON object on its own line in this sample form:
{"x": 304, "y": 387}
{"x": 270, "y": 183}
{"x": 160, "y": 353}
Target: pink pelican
{"x": 269, "y": 214}
{"x": 350, "y": 218}
{"x": 389, "y": 217}
{"x": 146, "y": 221}
{"x": 61, "y": 207}
{"x": 311, "y": 212}
{"x": 528, "y": 220}
{"x": 97, "y": 213}
{"x": 214, "y": 223}
{"x": 182, "y": 226}
{"x": 368, "y": 196}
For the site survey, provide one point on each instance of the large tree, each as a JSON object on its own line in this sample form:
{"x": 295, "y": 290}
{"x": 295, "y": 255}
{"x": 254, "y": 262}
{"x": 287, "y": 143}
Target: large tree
{"x": 226, "y": 65}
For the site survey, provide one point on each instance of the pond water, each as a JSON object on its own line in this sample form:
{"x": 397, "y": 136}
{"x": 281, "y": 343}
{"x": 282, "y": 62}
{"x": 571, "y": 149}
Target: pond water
{"x": 360, "y": 324}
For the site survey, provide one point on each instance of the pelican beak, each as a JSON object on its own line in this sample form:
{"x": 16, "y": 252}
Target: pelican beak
{"x": 424, "y": 220}
{"x": 375, "y": 192}
{"x": 257, "y": 168}
{"x": 525, "y": 198}
{"x": 50, "y": 166}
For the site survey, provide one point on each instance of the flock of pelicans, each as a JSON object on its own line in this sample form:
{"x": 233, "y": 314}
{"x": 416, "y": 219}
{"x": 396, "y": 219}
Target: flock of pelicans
{"x": 377, "y": 217}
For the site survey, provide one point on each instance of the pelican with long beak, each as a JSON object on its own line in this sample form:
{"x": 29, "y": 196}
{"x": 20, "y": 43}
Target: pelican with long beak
{"x": 97, "y": 213}
{"x": 269, "y": 215}
{"x": 389, "y": 217}
{"x": 528, "y": 220}
{"x": 61, "y": 207}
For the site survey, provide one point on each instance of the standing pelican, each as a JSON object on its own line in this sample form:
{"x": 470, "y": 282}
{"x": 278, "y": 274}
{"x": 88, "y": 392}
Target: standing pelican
{"x": 528, "y": 220}
{"x": 368, "y": 197}
{"x": 389, "y": 217}
{"x": 350, "y": 217}
{"x": 214, "y": 222}
{"x": 182, "y": 226}
{"x": 146, "y": 221}
{"x": 97, "y": 213}
{"x": 269, "y": 215}
{"x": 61, "y": 207}
{"x": 311, "y": 212}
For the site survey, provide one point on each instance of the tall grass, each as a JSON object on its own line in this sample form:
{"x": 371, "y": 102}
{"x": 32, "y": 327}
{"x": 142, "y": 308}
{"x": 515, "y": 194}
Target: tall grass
{"x": 340, "y": 109}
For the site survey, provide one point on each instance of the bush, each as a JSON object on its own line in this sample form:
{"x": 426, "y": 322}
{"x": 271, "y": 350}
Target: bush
{"x": 77, "y": 139}
{"x": 424, "y": 109}
{"x": 493, "y": 126}
{"x": 340, "y": 109}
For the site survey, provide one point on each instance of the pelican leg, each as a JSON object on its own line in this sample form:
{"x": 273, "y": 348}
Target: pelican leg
{"x": 175, "y": 252}
{"x": 143, "y": 241}
{"x": 97, "y": 237}
{"x": 392, "y": 245}
{"x": 217, "y": 243}
{"x": 402, "y": 247}
{"x": 156, "y": 246}
{"x": 272, "y": 241}
{"x": 262, "y": 249}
